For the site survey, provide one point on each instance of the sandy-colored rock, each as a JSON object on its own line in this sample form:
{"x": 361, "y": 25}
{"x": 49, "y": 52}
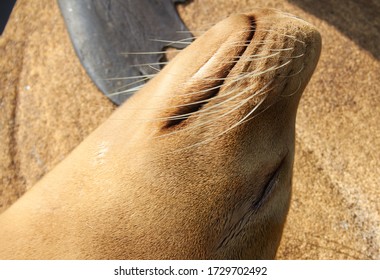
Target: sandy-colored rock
{"x": 48, "y": 103}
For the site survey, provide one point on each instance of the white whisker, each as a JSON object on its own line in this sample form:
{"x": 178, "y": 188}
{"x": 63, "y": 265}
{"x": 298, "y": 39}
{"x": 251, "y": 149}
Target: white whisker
{"x": 147, "y": 53}
{"x": 131, "y": 77}
{"x": 170, "y": 43}
{"x": 127, "y": 92}
{"x": 244, "y": 101}
{"x": 295, "y": 74}
{"x": 227, "y": 130}
{"x": 154, "y": 68}
{"x": 262, "y": 91}
{"x": 150, "y": 64}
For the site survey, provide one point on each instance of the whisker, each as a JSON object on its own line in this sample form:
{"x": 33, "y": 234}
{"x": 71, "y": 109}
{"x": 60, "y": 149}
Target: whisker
{"x": 125, "y": 87}
{"x": 295, "y": 74}
{"x": 147, "y": 53}
{"x": 150, "y": 64}
{"x": 213, "y": 107}
{"x": 227, "y": 130}
{"x": 171, "y": 42}
{"x": 280, "y": 50}
{"x": 238, "y": 77}
{"x": 297, "y": 56}
{"x": 154, "y": 68}
{"x": 250, "y": 74}
{"x": 232, "y": 79}
{"x": 126, "y": 92}
{"x": 258, "y": 73}
{"x": 244, "y": 101}
{"x": 184, "y": 31}
{"x": 259, "y": 57}
{"x": 130, "y": 77}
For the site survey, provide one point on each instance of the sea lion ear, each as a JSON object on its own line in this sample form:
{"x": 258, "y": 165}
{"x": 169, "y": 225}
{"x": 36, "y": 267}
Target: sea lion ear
{"x": 101, "y": 33}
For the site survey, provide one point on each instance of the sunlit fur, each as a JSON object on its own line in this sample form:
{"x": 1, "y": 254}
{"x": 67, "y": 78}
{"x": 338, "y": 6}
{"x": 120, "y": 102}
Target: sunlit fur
{"x": 195, "y": 165}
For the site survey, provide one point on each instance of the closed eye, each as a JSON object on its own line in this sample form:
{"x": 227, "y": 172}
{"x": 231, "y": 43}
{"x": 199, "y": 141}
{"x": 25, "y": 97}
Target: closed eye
{"x": 267, "y": 190}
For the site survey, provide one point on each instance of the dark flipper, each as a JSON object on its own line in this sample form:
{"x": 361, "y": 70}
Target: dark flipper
{"x": 5, "y": 11}
{"x": 102, "y": 31}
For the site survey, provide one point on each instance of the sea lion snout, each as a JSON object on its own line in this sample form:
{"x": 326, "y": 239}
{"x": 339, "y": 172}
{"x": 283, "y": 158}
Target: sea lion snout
{"x": 240, "y": 67}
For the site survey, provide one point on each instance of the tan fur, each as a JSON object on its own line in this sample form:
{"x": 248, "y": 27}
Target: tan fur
{"x": 140, "y": 189}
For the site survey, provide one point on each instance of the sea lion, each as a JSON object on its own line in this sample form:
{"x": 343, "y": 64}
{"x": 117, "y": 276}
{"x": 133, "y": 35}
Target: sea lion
{"x": 196, "y": 165}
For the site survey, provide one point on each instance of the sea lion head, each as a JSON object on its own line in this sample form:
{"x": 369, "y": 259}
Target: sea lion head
{"x": 216, "y": 156}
